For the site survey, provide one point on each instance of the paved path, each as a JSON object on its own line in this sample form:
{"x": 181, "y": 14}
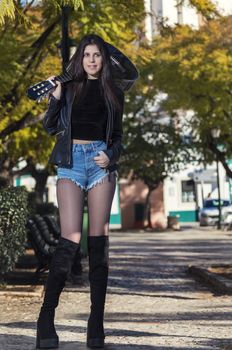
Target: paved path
{"x": 151, "y": 303}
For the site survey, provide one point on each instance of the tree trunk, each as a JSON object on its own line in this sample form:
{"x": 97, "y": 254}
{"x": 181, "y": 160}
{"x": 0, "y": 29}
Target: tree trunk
{"x": 6, "y": 177}
{"x": 152, "y": 185}
{"x": 148, "y": 208}
{"x": 41, "y": 180}
{"x": 222, "y": 157}
{"x": 40, "y": 177}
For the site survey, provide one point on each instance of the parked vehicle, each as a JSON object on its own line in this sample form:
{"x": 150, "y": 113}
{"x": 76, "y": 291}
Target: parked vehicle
{"x": 209, "y": 214}
{"x": 227, "y": 220}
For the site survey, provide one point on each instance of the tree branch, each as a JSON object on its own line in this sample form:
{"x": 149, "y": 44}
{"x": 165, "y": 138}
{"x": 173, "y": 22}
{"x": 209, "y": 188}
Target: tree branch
{"x": 36, "y": 46}
{"x": 27, "y": 120}
{"x": 221, "y": 157}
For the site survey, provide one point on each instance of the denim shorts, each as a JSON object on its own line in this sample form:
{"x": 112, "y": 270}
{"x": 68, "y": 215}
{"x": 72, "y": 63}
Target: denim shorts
{"x": 84, "y": 171}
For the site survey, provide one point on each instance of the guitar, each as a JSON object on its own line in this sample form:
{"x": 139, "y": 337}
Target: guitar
{"x": 124, "y": 73}
{"x": 42, "y": 89}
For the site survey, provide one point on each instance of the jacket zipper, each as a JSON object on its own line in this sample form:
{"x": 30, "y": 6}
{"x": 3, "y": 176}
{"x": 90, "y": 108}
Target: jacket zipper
{"x": 69, "y": 133}
{"x": 109, "y": 123}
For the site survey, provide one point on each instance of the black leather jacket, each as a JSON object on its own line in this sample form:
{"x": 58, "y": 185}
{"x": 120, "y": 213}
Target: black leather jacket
{"x": 57, "y": 121}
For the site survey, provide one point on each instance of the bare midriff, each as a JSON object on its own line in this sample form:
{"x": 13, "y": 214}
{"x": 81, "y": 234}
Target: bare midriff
{"x": 81, "y": 141}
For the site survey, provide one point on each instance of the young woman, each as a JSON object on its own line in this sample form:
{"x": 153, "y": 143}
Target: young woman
{"x": 86, "y": 117}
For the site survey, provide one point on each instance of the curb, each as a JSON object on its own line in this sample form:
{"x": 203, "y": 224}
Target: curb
{"x": 22, "y": 291}
{"x": 219, "y": 283}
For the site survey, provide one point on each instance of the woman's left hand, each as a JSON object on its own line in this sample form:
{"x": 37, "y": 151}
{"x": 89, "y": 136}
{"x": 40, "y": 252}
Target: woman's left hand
{"x": 102, "y": 160}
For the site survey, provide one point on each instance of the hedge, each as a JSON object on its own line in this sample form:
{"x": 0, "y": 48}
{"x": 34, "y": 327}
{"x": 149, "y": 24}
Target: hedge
{"x": 13, "y": 234}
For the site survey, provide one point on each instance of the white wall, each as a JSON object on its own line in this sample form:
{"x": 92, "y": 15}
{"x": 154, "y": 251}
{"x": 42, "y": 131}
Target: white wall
{"x": 51, "y": 184}
{"x": 224, "y": 6}
{"x": 205, "y": 182}
{"x": 173, "y": 193}
{"x": 168, "y": 9}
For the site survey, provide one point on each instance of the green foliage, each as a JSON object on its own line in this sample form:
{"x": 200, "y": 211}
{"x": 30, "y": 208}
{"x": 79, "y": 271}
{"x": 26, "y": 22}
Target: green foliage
{"x": 40, "y": 208}
{"x": 153, "y": 150}
{"x": 110, "y": 19}
{"x": 7, "y": 9}
{"x": 13, "y": 216}
{"x": 74, "y": 3}
{"x": 206, "y": 7}
{"x": 153, "y": 146}
{"x": 26, "y": 59}
{"x": 194, "y": 68}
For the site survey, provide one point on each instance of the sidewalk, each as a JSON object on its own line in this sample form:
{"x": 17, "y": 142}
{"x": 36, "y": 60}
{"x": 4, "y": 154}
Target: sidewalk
{"x": 152, "y": 303}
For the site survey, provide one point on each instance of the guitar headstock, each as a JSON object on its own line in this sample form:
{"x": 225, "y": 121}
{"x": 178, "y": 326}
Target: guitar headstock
{"x": 41, "y": 90}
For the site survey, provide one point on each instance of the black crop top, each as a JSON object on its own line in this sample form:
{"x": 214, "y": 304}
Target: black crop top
{"x": 89, "y": 114}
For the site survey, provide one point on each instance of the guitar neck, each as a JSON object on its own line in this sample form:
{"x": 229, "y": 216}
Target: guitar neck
{"x": 64, "y": 77}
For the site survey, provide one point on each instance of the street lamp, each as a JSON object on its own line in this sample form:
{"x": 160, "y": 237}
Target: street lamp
{"x": 65, "y": 37}
{"x": 67, "y": 45}
{"x": 215, "y": 132}
{"x": 72, "y": 46}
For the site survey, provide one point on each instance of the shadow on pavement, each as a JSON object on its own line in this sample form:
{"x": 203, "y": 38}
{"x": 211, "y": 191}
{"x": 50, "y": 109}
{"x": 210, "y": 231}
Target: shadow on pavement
{"x": 22, "y": 342}
{"x": 158, "y": 264}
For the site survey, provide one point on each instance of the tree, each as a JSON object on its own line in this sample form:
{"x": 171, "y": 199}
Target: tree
{"x": 153, "y": 151}
{"x": 193, "y": 67}
{"x": 9, "y": 9}
{"x": 153, "y": 145}
{"x": 29, "y": 54}
{"x": 206, "y": 7}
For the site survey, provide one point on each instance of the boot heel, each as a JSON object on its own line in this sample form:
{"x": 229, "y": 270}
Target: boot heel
{"x": 60, "y": 266}
{"x": 50, "y": 343}
{"x": 95, "y": 343}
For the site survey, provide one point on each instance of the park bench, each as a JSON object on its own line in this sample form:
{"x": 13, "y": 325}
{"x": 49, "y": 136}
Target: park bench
{"x": 43, "y": 250}
{"x": 43, "y": 235}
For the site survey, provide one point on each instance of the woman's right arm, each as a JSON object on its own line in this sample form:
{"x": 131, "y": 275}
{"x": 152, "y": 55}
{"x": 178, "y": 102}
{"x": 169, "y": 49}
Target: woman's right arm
{"x": 50, "y": 121}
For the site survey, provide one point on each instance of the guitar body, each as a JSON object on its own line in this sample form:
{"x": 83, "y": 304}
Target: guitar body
{"x": 124, "y": 73}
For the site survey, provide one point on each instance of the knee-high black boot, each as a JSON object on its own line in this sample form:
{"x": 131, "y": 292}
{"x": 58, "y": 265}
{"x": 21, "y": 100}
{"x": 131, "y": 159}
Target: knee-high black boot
{"x": 98, "y": 247}
{"x": 60, "y": 267}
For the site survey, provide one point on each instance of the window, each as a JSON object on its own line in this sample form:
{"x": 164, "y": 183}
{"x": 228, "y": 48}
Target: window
{"x": 213, "y": 203}
{"x": 187, "y": 191}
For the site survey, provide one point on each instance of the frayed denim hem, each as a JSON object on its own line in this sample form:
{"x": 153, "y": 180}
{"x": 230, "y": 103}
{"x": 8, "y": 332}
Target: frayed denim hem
{"x": 102, "y": 179}
{"x": 74, "y": 181}
{"x": 94, "y": 184}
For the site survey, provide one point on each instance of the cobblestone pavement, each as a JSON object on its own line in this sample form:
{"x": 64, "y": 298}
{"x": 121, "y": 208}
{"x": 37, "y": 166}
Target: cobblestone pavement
{"x": 152, "y": 303}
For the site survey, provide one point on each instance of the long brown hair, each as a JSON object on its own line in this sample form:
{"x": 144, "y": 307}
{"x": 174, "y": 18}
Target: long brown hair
{"x": 75, "y": 66}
